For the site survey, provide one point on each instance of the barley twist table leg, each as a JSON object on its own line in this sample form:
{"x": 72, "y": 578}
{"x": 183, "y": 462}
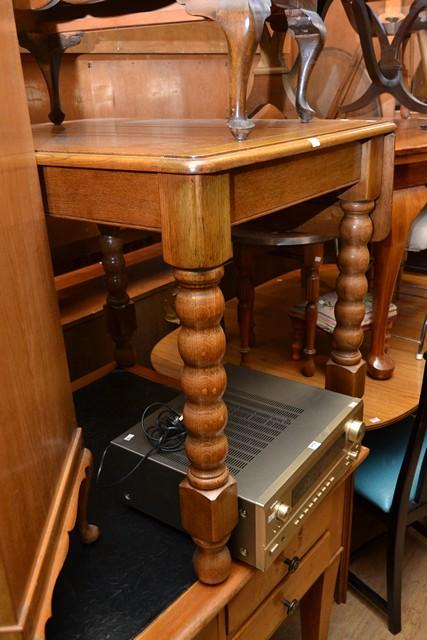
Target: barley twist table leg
{"x": 119, "y": 309}
{"x": 346, "y": 370}
{"x": 208, "y": 492}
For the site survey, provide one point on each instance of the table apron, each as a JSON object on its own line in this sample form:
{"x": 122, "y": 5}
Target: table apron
{"x": 132, "y": 198}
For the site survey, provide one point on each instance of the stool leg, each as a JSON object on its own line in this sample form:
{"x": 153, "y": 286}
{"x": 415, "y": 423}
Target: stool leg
{"x": 298, "y": 336}
{"x": 119, "y": 309}
{"x": 243, "y": 256}
{"x": 313, "y": 256}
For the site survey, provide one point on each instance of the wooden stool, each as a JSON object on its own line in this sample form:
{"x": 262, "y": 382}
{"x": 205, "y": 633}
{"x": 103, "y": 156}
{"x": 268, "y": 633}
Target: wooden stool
{"x": 251, "y": 238}
{"x": 325, "y": 320}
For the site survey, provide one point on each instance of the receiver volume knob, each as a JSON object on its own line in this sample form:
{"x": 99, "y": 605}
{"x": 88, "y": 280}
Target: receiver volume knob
{"x": 282, "y": 510}
{"x": 354, "y": 431}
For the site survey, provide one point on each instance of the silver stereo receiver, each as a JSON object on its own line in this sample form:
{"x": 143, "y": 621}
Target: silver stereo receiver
{"x": 289, "y": 445}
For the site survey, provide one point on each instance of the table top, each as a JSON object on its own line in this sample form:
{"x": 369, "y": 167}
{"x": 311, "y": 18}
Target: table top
{"x": 189, "y": 146}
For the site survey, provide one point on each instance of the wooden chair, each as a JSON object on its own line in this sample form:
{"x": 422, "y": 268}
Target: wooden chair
{"x": 249, "y": 241}
{"x": 393, "y": 481}
{"x": 422, "y": 339}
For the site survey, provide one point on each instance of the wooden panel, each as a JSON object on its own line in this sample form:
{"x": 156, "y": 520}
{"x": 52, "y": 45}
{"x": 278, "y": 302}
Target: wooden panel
{"x": 37, "y": 416}
{"x": 322, "y": 519}
{"x": 411, "y": 174}
{"x": 273, "y": 612}
{"x": 269, "y": 188}
{"x": 189, "y": 38}
{"x": 101, "y": 86}
{"x": 120, "y": 197}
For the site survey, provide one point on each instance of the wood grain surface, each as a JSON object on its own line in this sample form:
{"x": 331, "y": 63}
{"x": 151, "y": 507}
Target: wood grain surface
{"x": 37, "y": 415}
{"x": 188, "y": 146}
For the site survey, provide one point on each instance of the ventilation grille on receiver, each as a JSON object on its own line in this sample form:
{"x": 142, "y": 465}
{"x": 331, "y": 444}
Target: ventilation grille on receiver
{"x": 253, "y": 423}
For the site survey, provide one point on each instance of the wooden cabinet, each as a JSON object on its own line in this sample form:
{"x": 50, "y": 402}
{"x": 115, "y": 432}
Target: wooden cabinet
{"x": 285, "y": 597}
{"x": 42, "y": 462}
{"x": 252, "y": 604}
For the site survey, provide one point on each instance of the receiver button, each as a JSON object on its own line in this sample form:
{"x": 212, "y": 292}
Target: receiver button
{"x": 281, "y": 510}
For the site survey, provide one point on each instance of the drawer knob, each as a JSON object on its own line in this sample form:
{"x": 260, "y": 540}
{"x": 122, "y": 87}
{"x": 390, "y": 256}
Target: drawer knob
{"x": 293, "y": 563}
{"x": 292, "y": 605}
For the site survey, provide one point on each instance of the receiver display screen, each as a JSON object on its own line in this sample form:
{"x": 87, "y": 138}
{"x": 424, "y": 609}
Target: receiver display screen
{"x": 313, "y": 476}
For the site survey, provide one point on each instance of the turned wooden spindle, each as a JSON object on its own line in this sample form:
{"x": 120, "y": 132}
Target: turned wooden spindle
{"x": 352, "y": 286}
{"x": 119, "y": 309}
{"x": 313, "y": 256}
{"x": 244, "y": 261}
{"x": 209, "y": 492}
{"x": 298, "y": 337}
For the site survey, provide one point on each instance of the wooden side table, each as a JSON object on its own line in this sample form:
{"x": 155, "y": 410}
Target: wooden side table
{"x": 252, "y": 604}
{"x": 191, "y": 181}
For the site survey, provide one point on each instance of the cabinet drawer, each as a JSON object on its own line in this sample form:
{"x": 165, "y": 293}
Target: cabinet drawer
{"x": 272, "y": 611}
{"x": 324, "y": 518}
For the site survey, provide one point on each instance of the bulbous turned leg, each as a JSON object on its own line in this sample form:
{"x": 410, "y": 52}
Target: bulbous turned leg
{"x": 313, "y": 255}
{"x": 242, "y": 22}
{"x": 119, "y": 309}
{"x": 346, "y": 371}
{"x": 48, "y": 50}
{"x": 298, "y": 337}
{"x": 88, "y": 533}
{"x": 208, "y": 495}
{"x": 244, "y": 259}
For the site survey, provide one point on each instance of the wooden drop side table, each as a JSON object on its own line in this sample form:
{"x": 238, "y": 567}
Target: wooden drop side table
{"x": 191, "y": 181}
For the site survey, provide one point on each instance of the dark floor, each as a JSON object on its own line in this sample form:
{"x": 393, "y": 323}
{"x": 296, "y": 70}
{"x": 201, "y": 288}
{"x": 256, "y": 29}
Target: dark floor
{"x": 114, "y": 588}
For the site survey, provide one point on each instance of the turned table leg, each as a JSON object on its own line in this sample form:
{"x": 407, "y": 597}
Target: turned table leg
{"x": 346, "y": 370}
{"x": 119, "y": 309}
{"x": 388, "y": 257}
{"x": 196, "y": 239}
{"x": 316, "y": 605}
{"x": 244, "y": 260}
{"x": 313, "y": 256}
{"x": 242, "y": 22}
{"x": 209, "y": 494}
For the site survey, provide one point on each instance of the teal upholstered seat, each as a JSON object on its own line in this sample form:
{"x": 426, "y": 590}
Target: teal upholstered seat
{"x": 376, "y": 479}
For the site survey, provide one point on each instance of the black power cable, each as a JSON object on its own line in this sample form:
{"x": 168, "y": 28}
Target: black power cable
{"x": 166, "y": 435}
